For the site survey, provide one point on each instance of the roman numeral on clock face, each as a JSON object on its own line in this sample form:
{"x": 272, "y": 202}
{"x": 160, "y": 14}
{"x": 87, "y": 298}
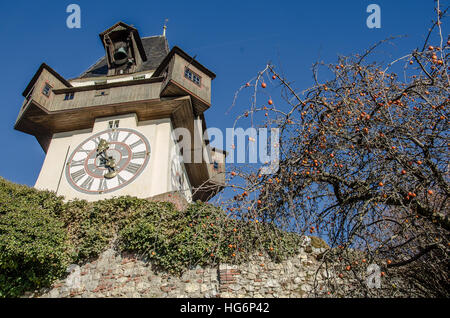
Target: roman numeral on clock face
{"x": 103, "y": 186}
{"x": 76, "y": 163}
{"x": 113, "y": 136}
{"x": 78, "y": 175}
{"x": 126, "y": 137}
{"x": 133, "y": 168}
{"x": 96, "y": 141}
{"x": 137, "y": 143}
{"x": 86, "y": 151}
{"x": 120, "y": 179}
{"x": 139, "y": 155}
{"x": 87, "y": 184}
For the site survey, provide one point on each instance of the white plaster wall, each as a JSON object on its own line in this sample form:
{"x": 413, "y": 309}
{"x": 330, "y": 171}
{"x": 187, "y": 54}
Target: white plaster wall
{"x": 155, "y": 179}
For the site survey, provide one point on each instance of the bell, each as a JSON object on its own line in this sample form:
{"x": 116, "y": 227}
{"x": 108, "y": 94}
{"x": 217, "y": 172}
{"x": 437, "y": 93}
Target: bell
{"x": 120, "y": 56}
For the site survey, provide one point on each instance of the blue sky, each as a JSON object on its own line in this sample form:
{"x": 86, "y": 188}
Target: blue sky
{"x": 235, "y": 39}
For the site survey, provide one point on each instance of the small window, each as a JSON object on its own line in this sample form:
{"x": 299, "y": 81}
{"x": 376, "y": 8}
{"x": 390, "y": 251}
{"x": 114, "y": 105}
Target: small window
{"x": 192, "y": 76}
{"x": 69, "y": 96}
{"x": 101, "y": 92}
{"x": 216, "y": 165}
{"x": 139, "y": 77}
{"x": 113, "y": 124}
{"x": 47, "y": 89}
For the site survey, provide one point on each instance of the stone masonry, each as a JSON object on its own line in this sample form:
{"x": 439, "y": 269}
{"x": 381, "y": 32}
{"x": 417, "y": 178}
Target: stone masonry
{"x": 123, "y": 275}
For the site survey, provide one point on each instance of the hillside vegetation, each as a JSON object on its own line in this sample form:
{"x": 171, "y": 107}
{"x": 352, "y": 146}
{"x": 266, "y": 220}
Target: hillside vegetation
{"x": 40, "y": 235}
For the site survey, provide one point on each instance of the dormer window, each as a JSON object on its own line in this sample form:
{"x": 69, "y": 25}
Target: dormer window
{"x": 113, "y": 124}
{"x": 47, "y": 89}
{"x": 194, "y": 77}
{"x": 69, "y": 96}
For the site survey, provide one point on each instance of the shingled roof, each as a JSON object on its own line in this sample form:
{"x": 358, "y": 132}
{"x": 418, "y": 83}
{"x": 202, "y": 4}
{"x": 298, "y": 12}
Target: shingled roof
{"x": 156, "y": 48}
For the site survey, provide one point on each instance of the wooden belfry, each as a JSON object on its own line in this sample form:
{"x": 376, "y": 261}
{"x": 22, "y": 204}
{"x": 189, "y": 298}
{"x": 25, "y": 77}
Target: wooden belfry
{"x": 109, "y": 132}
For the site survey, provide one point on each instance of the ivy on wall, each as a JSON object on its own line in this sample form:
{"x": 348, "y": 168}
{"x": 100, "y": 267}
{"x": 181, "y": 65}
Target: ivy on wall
{"x": 40, "y": 235}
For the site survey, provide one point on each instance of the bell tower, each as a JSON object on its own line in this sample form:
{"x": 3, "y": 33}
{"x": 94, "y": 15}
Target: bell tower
{"x": 111, "y": 131}
{"x": 124, "y": 50}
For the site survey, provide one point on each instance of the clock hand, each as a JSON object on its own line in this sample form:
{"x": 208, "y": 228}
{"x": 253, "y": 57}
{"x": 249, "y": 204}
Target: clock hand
{"x": 102, "y": 146}
{"x": 111, "y": 165}
{"x": 107, "y": 161}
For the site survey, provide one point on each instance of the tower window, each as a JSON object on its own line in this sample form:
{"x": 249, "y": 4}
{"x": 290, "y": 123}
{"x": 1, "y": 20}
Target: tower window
{"x": 101, "y": 92}
{"x": 113, "y": 124}
{"x": 216, "y": 165}
{"x": 46, "y": 90}
{"x": 192, "y": 76}
{"x": 69, "y": 96}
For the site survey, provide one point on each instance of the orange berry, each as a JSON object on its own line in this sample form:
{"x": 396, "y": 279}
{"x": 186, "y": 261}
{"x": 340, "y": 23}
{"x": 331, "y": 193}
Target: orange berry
{"x": 263, "y": 85}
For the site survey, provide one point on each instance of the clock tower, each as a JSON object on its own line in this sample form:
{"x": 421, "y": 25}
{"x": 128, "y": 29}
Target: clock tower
{"x": 112, "y": 130}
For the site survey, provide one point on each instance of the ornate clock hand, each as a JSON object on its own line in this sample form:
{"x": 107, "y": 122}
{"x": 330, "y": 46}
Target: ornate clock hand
{"x": 107, "y": 161}
{"x": 102, "y": 146}
{"x": 111, "y": 165}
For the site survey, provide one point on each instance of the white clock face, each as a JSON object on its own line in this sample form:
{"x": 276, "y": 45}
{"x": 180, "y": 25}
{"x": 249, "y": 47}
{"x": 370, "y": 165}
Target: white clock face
{"x": 90, "y": 171}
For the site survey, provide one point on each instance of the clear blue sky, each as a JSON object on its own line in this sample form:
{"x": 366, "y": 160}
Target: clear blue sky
{"x": 235, "y": 39}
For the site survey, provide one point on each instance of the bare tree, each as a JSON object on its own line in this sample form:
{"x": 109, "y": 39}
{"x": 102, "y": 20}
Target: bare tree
{"x": 364, "y": 163}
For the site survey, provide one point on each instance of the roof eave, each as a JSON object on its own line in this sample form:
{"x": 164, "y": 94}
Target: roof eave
{"x": 38, "y": 73}
{"x": 177, "y": 50}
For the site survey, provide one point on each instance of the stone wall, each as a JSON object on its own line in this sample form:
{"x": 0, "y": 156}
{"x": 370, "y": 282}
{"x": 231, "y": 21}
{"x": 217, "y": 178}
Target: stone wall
{"x": 123, "y": 275}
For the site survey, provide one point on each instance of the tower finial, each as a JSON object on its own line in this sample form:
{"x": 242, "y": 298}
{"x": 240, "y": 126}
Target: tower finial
{"x": 165, "y": 26}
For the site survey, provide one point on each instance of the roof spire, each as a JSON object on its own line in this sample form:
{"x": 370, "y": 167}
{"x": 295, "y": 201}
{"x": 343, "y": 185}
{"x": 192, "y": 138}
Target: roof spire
{"x": 165, "y": 27}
